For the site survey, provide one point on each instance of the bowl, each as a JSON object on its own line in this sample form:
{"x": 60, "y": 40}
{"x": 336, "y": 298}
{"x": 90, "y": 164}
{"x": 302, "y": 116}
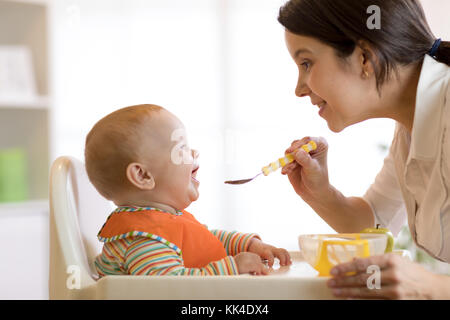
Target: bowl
{"x": 324, "y": 251}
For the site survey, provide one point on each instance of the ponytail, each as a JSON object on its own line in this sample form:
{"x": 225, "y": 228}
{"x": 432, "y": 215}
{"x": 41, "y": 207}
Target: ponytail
{"x": 443, "y": 53}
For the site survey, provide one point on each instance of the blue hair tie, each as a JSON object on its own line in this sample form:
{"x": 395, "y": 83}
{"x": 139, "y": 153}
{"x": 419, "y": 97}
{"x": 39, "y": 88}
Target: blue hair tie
{"x": 435, "y": 47}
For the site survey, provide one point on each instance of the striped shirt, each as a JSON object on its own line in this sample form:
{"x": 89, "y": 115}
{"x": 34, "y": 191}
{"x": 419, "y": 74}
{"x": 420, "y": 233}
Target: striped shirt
{"x": 144, "y": 256}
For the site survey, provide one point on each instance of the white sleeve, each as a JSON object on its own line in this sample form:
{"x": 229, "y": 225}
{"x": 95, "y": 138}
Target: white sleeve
{"x": 385, "y": 198}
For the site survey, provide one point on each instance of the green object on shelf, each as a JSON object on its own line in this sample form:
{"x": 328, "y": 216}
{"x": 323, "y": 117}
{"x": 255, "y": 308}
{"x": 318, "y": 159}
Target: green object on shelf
{"x": 13, "y": 175}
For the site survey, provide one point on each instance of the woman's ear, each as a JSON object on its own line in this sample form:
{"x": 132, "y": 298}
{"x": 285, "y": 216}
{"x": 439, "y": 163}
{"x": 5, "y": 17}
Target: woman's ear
{"x": 367, "y": 59}
{"x": 140, "y": 177}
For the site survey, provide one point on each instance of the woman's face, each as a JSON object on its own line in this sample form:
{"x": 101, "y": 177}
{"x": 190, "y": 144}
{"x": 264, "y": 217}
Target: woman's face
{"x": 339, "y": 88}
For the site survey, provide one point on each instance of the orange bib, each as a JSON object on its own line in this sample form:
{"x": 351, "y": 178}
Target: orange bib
{"x": 192, "y": 240}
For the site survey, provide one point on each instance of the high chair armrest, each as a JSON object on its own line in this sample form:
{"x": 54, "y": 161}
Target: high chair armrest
{"x": 213, "y": 288}
{"x": 294, "y": 282}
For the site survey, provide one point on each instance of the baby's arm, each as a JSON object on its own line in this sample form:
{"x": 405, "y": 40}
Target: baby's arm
{"x": 151, "y": 257}
{"x": 234, "y": 242}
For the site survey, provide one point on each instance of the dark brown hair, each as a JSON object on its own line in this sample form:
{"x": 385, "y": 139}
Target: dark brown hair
{"x": 404, "y": 38}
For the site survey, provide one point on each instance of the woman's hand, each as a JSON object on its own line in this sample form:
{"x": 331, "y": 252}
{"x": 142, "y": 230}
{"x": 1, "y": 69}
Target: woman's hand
{"x": 399, "y": 278}
{"x": 269, "y": 252}
{"x": 308, "y": 174}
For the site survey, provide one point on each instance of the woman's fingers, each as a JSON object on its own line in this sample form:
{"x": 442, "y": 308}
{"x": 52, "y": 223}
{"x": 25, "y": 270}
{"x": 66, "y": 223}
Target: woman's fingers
{"x": 357, "y": 280}
{"x": 392, "y": 277}
{"x": 308, "y": 173}
{"x": 320, "y": 142}
{"x": 363, "y": 279}
{"x": 361, "y": 264}
{"x": 287, "y": 169}
{"x": 298, "y": 143}
{"x": 302, "y": 158}
{"x": 363, "y": 282}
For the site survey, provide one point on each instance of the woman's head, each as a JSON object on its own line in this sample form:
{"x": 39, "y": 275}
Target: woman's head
{"x": 349, "y": 64}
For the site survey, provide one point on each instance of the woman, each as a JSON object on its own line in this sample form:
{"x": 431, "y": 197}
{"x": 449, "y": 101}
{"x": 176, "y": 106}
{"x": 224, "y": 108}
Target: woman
{"x": 354, "y": 72}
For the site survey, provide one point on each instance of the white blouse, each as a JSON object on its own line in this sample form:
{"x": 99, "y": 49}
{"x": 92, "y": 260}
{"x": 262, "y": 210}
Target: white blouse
{"x": 414, "y": 182}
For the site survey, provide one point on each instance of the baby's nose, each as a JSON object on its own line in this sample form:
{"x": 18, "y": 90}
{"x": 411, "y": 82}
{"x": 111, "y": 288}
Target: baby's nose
{"x": 195, "y": 153}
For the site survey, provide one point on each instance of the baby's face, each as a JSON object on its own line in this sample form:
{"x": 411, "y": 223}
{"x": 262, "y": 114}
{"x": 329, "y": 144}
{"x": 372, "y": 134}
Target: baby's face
{"x": 172, "y": 162}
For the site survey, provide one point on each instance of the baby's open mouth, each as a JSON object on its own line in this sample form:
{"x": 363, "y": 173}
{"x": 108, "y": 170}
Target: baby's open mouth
{"x": 194, "y": 174}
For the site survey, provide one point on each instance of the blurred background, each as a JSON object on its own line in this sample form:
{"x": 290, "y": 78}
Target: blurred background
{"x": 221, "y": 66}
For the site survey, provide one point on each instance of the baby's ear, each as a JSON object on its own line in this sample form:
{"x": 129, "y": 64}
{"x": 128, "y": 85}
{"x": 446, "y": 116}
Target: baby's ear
{"x": 140, "y": 177}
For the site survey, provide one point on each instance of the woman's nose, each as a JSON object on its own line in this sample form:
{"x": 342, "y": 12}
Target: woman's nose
{"x": 302, "y": 89}
{"x": 195, "y": 153}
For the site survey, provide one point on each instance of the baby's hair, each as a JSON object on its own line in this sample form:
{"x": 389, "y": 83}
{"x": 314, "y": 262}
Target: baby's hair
{"x": 111, "y": 147}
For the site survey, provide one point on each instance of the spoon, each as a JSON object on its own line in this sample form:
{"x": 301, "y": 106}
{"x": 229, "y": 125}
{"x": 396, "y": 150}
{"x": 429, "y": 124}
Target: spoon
{"x": 280, "y": 163}
{"x": 241, "y": 181}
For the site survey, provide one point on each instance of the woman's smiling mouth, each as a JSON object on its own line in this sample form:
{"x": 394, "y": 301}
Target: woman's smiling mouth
{"x": 322, "y": 108}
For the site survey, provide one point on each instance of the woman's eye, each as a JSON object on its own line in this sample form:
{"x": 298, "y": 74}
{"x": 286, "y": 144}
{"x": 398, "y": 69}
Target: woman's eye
{"x": 306, "y": 65}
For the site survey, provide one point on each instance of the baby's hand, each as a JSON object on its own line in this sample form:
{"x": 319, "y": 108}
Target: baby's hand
{"x": 269, "y": 252}
{"x": 250, "y": 263}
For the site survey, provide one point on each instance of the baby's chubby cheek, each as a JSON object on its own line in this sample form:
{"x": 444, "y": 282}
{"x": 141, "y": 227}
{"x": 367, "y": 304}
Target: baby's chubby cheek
{"x": 193, "y": 192}
{"x": 183, "y": 188}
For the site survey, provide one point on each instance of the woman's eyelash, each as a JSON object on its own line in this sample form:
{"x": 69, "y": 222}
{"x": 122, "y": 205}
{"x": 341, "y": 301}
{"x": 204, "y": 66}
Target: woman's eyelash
{"x": 306, "y": 64}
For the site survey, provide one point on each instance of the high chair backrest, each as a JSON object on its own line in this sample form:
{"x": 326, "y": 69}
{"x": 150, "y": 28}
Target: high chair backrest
{"x": 77, "y": 212}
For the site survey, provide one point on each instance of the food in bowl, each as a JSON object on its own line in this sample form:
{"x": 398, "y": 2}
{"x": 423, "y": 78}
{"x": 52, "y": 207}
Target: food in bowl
{"x": 324, "y": 251}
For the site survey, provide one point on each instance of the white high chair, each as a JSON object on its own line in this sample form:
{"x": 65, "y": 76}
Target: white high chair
{"x": 77, "y": 212}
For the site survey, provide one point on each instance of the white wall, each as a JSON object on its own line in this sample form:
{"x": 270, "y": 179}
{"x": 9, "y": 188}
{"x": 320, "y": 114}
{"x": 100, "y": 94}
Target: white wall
{"x": 436, "y": 12}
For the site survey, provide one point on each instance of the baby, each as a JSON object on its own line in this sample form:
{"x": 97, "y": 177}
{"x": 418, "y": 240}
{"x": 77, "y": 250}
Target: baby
{"x": 138, "y": 158}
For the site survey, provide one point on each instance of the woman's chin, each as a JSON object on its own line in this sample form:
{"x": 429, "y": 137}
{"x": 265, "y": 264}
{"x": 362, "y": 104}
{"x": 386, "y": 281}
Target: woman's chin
{"x": 335, "y": 128}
